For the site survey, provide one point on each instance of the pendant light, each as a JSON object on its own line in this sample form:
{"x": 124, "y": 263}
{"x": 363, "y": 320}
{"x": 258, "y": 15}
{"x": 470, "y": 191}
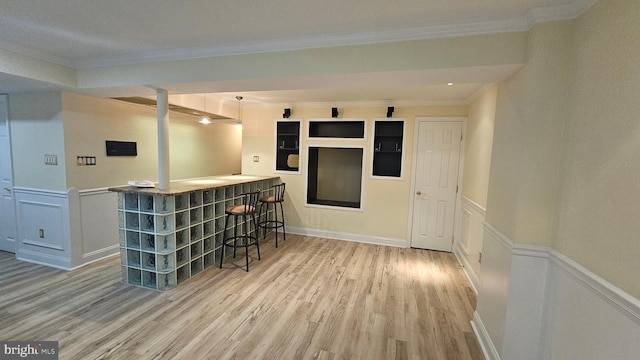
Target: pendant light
{"x": 205, "y": 119}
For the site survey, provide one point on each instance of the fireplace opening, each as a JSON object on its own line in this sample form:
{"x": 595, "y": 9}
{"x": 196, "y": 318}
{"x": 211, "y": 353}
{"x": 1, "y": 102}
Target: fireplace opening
{"x": 335, "y": 176}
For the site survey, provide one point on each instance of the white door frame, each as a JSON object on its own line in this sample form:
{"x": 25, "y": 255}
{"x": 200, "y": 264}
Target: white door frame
{"x": 4, "y": 98}
{"x": 414, "y": 164}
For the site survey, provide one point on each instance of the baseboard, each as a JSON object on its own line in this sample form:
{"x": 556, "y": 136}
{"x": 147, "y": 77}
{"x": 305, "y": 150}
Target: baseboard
{"x": 471, "y": 276}
{"x": 489, "y": 351}
{"x": 57, "y": 262}
{"x": 366, "y": 239}
{"x": 99, "y": 255}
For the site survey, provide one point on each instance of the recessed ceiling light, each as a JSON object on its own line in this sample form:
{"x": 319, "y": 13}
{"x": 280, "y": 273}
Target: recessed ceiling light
{"x": 205, "y": 121}
{"x": 450, "y": 84}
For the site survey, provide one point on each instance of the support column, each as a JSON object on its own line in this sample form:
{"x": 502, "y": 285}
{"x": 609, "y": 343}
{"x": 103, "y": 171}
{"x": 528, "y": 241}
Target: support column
{"x": 162, "y": 99}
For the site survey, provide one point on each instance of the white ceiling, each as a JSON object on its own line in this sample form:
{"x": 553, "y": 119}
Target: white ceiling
{"x": 92, "y": 33}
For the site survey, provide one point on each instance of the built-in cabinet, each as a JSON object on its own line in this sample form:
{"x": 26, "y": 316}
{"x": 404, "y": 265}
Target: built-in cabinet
{"x": 388, "y": 145}
{"x": 287, "y": 145}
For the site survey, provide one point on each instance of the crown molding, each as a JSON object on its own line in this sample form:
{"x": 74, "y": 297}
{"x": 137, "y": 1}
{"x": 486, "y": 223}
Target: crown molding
{"x": 535, "y": 15}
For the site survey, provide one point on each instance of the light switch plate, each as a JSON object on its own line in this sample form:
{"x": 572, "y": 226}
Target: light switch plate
{"x": 256, "y": 158}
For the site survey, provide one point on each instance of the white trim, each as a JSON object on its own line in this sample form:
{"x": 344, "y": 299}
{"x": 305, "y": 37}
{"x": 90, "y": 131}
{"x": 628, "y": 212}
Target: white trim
{"x": 488, "y": 349}
{"x": 414, "y": 163}
{"x": 96, "y": 191}
{"x": 472, "y": 277}
{"x": 538, "y": 274}
{"x": 57, "y": 262}
{"x": 40, "y": 192}
{"x": 481, "y": 26}
{"x": 366, "y": 239}
{"x": 477, "y": 207}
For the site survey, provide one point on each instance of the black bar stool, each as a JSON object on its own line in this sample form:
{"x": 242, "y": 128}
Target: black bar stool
{"x": 275, "y": 199}
{"x": 246, "y": 238}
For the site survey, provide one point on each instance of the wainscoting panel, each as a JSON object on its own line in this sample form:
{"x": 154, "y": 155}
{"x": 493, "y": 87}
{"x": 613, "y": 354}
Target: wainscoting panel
{"x": 535, "y": 303}
{"x": 99, "y": 224}
{"x": 469, "y": 246}
{"x": 43, "y": 230}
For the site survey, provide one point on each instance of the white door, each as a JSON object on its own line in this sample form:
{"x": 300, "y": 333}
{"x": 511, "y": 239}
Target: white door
{"x": 435, "y": 185}
{"x": 7, "y": 205}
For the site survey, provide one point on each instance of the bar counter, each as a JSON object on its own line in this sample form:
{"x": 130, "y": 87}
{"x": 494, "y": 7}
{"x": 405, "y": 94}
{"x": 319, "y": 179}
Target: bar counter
{"x": 166, "y": 236}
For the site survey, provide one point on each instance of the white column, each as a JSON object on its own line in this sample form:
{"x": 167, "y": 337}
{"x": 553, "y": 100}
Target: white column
{"x": 163, "y": 138}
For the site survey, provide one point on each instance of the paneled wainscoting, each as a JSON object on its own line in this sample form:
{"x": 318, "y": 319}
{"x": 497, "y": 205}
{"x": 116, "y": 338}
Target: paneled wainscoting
{"x": 536, "y": 303}
{"x": 312, "y": 298}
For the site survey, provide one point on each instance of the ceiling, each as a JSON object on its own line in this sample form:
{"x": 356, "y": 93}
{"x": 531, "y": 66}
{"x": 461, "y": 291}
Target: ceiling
{"x": 85, "y": 34}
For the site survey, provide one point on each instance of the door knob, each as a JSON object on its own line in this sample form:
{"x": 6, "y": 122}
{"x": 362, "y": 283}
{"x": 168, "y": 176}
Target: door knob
{"x": 418, "y": 192}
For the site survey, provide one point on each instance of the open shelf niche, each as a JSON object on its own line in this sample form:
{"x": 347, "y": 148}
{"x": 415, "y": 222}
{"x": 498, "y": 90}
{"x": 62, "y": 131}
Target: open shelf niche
{"x": 287, "y": 145}
{"x": 388, "y": 145}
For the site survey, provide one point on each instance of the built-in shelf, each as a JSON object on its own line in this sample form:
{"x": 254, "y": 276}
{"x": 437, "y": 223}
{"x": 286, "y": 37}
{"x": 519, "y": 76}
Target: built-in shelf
{"x": 336, "y": 129}
{"x": 287, "y": 145}
{"x": 388, "y": 143}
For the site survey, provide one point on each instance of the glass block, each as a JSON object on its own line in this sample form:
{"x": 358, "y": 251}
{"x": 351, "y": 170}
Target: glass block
{"x": 195, "y": 233}
{"x": 148, "y": 260}
{"x": 220, "y": 192}
{"x": 208, "y": 244}
{"x": 228, "y": 192}
{"x": 196, "y": 249}
{"x": 147, "y": 223}
{"x": 148, "y": 242}
{"x": 237, "y": 191}
{"x": 209, "y": 259}
{"x": 134, "y": 276}
{"x": 182, "y": 256}
{"x": 131, "y": 201}
{"x": 220, "y": 209}
{"x": 182, "y": 238}
{"x": 146, "y": 203}
{"x": 123, "y": 256}
{"x": 196, "y": 266}
{"x": 165, "y": 243}
{"x": 122, "y": 237}
{"x": 182, "y": 219}
{"x": 149, "y": 279}
{"x": 220, "y": 224}
{"x": 207, "y": 212}
{"x": 195, "y": 198}
{"x": 229, "y": 203}
{"x": 208, "y": 228}
{"x": 166, "y": 262}
{"x": 219, "y": 238}
{"x": 124, "y": 271}
{"x": 167, "y": 281}
{"x": 120, "y": 201}
{"x": 208, "y": 196}
{"x": 164, "y": 204}
{"x": 133, "y": 258}
{"x": 132, "y": 221}
{"x": 133, "y": 239}
{"x": 164, "y": 224}
{"x": 121, "y": 219}
{"x": 195, "y": 215}
{"x": 182, "y": 273}
{"x": 182, "y": 202}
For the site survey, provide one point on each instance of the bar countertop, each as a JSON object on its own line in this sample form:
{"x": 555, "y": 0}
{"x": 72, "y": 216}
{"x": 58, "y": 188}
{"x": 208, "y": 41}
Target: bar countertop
{"x": 185, "y": 186}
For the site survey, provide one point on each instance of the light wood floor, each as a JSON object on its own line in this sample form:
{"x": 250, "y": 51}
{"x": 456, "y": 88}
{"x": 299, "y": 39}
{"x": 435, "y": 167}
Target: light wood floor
{"x": 311, "y": 298}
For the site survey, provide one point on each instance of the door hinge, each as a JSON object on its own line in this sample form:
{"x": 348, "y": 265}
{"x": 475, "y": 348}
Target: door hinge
{"x": 461, "y": 136}
{"x": 457, "y": 188}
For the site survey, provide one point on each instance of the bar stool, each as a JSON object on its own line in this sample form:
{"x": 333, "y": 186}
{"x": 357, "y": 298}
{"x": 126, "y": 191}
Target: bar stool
{"x": 275, "y": 199}
{"x": 246, "y": 238}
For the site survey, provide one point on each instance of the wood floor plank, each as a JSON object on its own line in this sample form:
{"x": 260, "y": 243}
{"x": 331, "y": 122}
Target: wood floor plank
{"x": 311, "y": 298}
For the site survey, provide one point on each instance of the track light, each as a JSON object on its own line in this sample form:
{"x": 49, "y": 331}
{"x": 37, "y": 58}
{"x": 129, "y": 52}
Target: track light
{"x": 286, "y": 114}
{"x": 390, "y": 111}
{"x": 334, "y": 112}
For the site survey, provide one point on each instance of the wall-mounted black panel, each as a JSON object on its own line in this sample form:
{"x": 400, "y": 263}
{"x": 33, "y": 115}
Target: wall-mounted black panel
{"x": 121, "y": 148}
